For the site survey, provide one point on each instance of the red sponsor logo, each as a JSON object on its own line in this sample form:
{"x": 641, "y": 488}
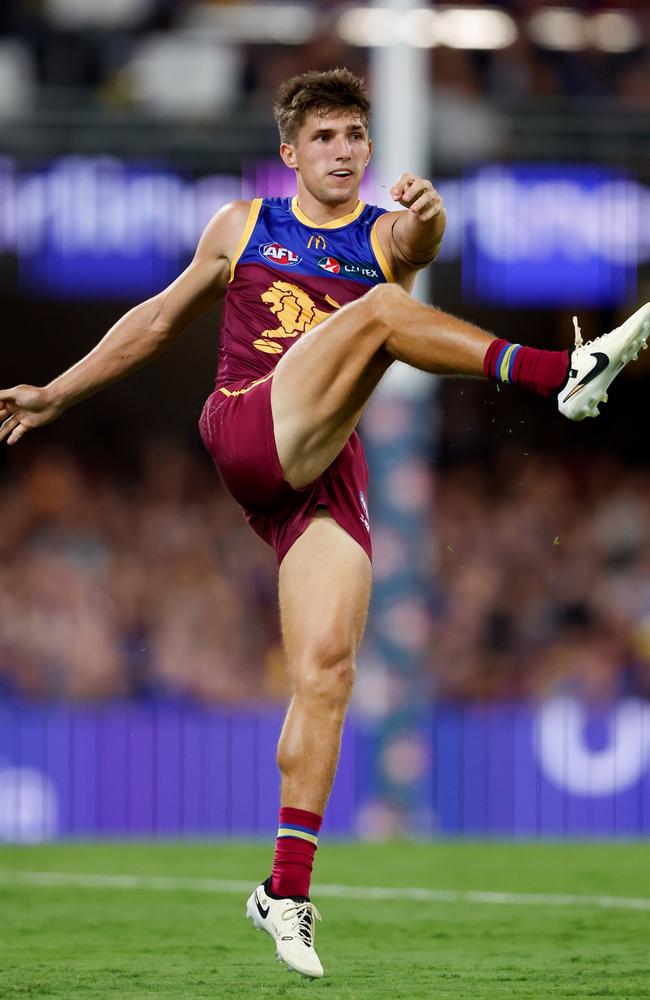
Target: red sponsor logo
{"x": 279, "y": 254}
{"x": 330, "y": 264}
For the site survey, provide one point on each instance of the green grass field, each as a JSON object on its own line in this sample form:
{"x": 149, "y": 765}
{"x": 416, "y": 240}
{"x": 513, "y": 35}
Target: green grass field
{"x": 180, "y": 937}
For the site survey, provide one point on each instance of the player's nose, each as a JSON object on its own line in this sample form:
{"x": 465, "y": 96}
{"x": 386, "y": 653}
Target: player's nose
{"x": 343, "y": 148}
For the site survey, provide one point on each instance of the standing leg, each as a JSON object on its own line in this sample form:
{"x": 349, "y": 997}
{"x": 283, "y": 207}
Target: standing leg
{"x": 325, "y": 581}
{"x": 324, "y": 595}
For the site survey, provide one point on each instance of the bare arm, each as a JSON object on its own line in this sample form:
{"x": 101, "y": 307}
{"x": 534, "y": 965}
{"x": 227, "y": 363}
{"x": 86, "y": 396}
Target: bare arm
{"x": 138, "y": 336}
{"x": 412, "y": 239}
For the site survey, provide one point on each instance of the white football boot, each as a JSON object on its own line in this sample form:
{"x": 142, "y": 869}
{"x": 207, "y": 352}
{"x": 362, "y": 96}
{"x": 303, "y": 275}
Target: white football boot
{"x": 290, "y": 921}
{"x": 595, "y": 364}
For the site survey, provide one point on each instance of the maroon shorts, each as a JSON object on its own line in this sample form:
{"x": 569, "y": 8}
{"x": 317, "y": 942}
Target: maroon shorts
{"x": 237, "y": 430}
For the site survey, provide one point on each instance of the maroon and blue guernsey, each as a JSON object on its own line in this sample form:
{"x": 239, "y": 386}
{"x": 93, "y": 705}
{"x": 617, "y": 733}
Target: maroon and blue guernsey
{"x": 289, "y": 274}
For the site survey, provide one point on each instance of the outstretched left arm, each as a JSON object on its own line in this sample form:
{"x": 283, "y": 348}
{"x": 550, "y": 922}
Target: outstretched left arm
{"x": 413, "y": 238}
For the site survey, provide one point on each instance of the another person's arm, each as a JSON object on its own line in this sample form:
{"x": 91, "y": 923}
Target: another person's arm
{"x": 138, "y": 336}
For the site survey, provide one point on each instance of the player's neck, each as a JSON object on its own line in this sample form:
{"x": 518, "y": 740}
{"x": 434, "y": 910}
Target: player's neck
{"x": 320, "y": 213}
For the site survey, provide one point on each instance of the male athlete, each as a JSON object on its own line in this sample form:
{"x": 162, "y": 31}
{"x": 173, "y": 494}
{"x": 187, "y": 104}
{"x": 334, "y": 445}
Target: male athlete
{"x": 316, "y": 310}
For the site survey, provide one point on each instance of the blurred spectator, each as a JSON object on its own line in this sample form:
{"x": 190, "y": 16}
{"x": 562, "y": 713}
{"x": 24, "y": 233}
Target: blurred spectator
{"x": 83, "y": 48}
{"x": 545, "y": 581}
{"x": 155, "y": 586}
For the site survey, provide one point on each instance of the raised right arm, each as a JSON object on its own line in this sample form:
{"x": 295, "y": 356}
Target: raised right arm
{"x": 138, "y": 336}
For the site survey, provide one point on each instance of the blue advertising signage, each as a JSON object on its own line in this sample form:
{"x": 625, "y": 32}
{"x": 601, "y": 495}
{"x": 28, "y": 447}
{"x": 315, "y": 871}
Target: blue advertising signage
{"x": 554, "y": 769}
{"x": 525, "y": 235}
{"x": 550, "y": 235}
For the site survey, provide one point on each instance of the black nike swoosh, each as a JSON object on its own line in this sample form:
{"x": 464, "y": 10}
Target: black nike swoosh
{"x": 601, "y": 364}
{"x": 263, "y": 912}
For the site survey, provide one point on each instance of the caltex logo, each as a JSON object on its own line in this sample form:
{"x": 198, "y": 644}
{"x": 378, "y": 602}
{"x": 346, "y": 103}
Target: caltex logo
{"x": 349, "y": 268}
{"x": 330, "y": 264}
{"x": 278, "y": 254}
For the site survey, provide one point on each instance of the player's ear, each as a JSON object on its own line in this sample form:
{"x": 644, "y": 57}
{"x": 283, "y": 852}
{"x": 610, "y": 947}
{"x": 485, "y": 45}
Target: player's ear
{"x": 288, "y": 155}
{"x": 369, "y": 151}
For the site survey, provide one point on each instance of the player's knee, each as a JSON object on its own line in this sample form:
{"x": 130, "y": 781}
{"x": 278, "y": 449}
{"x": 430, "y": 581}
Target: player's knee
{"x": 387, "y": 303}
{"x": 326, "y": 675}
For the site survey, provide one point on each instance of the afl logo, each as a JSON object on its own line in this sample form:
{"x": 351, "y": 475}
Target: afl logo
{"x": 279, "y": 254}
{"x": 329, "y": 264}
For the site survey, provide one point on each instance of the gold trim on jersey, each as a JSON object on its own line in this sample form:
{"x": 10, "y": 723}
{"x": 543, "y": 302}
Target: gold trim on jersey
{"x": 253, "y": 214}
{"x": 379, "y": 253}
{"x": 247, "y": 388}
{"x": 334, "y": 224}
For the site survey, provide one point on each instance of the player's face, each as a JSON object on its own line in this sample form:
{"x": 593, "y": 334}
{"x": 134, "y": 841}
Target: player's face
{"x": 330, "y": 154}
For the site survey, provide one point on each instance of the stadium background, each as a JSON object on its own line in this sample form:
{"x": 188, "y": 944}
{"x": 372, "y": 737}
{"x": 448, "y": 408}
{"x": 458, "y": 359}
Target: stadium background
{"x": 504, "y": 680}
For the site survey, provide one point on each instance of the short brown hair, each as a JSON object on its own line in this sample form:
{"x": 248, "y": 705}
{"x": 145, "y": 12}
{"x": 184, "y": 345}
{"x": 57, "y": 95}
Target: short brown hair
{"x": 321, "y": 93}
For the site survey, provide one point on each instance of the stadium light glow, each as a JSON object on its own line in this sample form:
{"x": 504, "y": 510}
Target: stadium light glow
{"x": 558, "y": 28}
{"x": 368, "y": 26}
{"x": 420, "y": 28}
{"x": 290, "y": 24}
{"x": 614, "y": 31}
{"x": 476, "y": 28}
{"x": 456, "y": 27}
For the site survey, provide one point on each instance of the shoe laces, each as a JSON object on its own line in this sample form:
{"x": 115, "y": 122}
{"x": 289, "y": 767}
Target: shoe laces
{"x": 585, "y": 343}
{"x": 576, "y": 327}
{"x": 305, "y": 913}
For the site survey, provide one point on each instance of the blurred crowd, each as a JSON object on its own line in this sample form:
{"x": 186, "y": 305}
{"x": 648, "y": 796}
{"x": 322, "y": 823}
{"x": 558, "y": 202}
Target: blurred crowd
{"x": 122, "y": 53}
{"x": 545, "y": 580}
{"x": 149, "y": 587}
{"x": 152, "y": 585}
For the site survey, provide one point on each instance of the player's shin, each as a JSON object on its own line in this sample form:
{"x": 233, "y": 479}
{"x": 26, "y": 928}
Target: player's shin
{"x": 295, "y": 847}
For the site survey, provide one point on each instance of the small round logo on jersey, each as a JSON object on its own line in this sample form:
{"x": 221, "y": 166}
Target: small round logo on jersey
{"x": 278, "y": 254}
{"x": 330, "y": 264}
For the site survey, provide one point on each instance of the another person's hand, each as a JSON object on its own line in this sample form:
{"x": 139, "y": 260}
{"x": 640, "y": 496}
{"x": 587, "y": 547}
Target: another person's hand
{"x": 23, "y": 408}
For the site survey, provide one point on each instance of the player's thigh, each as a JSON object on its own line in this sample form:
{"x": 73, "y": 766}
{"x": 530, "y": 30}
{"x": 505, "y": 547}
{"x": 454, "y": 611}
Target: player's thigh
{"x": 323, "y": 383}
{"x": 325, "y": 583}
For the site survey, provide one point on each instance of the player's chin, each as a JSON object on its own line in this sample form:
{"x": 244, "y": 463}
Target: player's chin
{"x": 340, "y": 190}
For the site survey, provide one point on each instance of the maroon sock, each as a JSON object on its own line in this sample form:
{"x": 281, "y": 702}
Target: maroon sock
{"x": 294, "y": 851}
{"x": 543, "y": 372}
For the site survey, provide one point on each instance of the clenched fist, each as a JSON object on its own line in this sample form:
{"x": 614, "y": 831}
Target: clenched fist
{"x": 418, "y": 195}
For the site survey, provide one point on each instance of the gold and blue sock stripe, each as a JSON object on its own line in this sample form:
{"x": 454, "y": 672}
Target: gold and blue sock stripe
{"x": 301, "y": 832}
{"x": 506, "y": 362}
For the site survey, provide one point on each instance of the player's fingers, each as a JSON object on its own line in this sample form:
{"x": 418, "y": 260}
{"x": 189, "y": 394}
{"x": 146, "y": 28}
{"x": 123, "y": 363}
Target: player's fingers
{"x": 413, "y": 191}
{"x": 17, "y": 433}
{"x": 7, "y": 427}
{"x": 427, "y": 205}
{"x": 398, "y": 187}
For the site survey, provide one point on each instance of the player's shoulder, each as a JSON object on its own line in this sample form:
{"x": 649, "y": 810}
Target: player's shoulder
{"x": 225, "y": 229}
{"x": 234, "y": 213}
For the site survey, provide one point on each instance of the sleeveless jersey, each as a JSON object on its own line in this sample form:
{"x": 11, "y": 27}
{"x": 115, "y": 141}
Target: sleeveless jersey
{"x": 287, "y": 275}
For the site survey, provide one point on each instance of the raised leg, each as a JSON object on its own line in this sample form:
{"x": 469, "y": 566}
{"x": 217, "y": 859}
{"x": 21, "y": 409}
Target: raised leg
{"x": 322, "y": 385}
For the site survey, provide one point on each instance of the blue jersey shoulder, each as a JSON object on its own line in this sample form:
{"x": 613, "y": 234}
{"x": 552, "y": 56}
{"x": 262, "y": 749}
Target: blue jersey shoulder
{"x": 285, "y": 239}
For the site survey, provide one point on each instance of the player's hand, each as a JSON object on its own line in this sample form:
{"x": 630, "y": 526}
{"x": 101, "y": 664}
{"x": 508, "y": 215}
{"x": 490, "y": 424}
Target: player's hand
{"x": 23, "y": 408}
{"x": 418, "y": 195}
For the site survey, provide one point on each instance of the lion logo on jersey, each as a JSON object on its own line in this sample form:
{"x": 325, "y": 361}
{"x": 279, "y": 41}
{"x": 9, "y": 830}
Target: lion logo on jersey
{"x": 294, "y": 311}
